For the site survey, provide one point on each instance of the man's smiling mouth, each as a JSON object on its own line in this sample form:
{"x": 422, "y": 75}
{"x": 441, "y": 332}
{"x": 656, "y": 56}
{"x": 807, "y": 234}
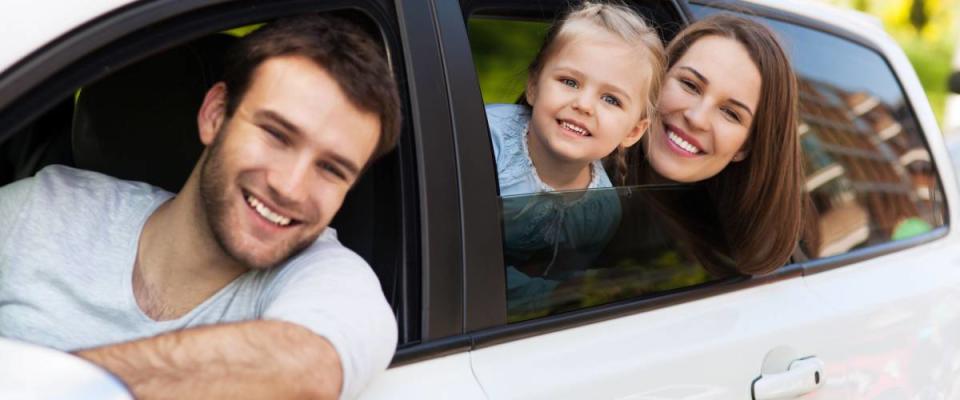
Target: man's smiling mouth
{"x": 267, "y": 213}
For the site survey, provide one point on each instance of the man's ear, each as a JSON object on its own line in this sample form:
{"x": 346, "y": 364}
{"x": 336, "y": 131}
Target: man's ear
{"x": 636, "y": 133}
{"x": 212, "y": 113}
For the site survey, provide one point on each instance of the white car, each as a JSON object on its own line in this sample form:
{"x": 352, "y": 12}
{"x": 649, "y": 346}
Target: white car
{"x": 872, "y": 313}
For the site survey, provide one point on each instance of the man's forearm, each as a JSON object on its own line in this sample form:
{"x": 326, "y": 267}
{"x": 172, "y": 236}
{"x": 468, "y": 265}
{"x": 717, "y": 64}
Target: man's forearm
{"x": 255, "y": 359}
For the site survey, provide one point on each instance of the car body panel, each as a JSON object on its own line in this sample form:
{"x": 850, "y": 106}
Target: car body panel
{"x": 448, "y": 377}
{"x": 34, "y": 25}
{"x": 709, "y": 348}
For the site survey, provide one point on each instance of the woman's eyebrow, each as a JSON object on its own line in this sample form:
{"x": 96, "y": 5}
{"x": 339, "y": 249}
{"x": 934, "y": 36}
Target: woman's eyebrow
{"x": 706, "y": 81}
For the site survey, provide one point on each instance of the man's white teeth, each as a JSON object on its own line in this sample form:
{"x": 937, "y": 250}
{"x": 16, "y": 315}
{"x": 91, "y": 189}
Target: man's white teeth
{"x": 677, "y": 140}
{"x": 578, "y": 130}
{"x": 266, "y": 212}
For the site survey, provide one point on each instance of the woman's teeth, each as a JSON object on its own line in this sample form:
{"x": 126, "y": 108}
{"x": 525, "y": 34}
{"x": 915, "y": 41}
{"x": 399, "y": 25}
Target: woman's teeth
{"x": 576, "y": 129}
{"x": 266, "y": 212}
{"x": 677, "y": 140}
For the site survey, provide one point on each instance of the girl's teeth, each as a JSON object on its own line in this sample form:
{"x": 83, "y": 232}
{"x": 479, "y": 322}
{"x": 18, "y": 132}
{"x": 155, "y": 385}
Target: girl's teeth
{"x": 580, "y": 131}
{"x": 677, "y": 140}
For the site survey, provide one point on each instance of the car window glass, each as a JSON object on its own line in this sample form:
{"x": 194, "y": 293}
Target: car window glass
{"x": 869, "y": 173}
{"x": 570, "y": 250}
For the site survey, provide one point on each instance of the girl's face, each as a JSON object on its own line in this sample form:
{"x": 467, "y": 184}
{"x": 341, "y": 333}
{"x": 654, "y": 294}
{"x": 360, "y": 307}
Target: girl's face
{"x": 707, "y": 107}
{"x": 587, "y": 100}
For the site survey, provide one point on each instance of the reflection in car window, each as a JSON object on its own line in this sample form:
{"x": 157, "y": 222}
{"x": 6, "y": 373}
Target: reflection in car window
{"x": 561, "y": 260}
{"x": 869, "y": 173}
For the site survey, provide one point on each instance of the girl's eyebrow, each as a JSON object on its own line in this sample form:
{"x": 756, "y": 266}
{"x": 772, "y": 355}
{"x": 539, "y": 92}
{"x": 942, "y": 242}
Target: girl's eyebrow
{"x": 706, "y": 81}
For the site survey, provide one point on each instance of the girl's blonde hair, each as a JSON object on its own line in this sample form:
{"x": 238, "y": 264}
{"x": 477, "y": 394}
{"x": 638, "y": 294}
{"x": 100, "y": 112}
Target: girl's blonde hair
{"x": 621, "y": 21}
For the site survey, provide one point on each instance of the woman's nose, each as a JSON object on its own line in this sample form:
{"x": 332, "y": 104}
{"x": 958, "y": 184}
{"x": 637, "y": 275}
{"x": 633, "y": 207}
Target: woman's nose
{"x": 697, "y": 115}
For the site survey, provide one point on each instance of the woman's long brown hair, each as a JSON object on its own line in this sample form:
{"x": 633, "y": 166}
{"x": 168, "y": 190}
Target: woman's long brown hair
{"x": 759, "y": 200}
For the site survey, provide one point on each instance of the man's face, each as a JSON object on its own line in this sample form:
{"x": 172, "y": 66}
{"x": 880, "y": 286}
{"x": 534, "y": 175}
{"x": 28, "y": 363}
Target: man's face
{"x": 277, "y": 171}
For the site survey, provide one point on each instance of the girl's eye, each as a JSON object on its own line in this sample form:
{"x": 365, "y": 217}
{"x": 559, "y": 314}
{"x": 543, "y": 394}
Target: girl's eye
{"x": 731, "y": 115}
{"x": 333, "y": 170}
{"x": 569, "y": 82}
{"x": 611, "y": 100}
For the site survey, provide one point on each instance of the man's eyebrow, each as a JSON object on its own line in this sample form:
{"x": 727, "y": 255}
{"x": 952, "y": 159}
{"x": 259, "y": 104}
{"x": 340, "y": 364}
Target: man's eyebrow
{"x": 275, "y": 117}
{"x": 288, "y": 126}
{"x": 706, "y": 81}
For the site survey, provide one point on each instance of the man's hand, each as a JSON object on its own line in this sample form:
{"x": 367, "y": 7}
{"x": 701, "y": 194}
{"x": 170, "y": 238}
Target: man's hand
{"x": 245, "y": 360}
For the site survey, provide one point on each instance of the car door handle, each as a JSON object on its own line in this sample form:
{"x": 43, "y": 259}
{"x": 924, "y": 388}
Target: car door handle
{"x": 801, "y": 377}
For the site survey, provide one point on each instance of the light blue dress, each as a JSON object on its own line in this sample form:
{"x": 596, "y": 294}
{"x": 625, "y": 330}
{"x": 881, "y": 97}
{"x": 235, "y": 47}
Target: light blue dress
{"x": 564, "y": 230}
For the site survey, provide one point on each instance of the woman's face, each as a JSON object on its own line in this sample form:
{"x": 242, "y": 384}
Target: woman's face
{"x": 707, "y": 107}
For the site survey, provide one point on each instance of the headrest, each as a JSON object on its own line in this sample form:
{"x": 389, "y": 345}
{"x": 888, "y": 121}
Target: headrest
{"x": 140, "y": 123}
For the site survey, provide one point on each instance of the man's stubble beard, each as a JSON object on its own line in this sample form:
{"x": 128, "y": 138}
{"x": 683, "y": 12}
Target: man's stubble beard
{"x": 216, "y": 200}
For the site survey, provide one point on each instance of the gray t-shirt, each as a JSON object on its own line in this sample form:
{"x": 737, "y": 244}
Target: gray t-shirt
{"x": 68, "y": 240}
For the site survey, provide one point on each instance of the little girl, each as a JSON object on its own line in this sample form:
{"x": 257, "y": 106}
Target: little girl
{"x": 590, "y": 94}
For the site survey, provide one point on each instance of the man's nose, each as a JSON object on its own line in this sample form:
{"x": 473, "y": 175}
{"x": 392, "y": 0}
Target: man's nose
{"x": 291, "y": 180}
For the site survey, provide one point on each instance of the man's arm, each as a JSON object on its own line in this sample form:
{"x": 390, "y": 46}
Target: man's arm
{"x": 246, "y": 360}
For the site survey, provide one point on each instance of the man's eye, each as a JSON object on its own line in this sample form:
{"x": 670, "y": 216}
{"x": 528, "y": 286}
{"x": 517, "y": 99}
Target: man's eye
{"x": 333, "y": 170}
{"x": 569, "y": 82}
{"x": 611, "y": 100}
{"x": 275, "y": 134}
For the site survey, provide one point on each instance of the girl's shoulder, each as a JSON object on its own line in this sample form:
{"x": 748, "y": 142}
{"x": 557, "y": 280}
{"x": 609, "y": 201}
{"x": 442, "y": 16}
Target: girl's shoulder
{"x": 507, "y": 119}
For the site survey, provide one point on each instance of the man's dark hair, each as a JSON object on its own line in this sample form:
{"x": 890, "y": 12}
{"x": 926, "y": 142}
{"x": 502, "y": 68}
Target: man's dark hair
{"x": 343, "y": 48}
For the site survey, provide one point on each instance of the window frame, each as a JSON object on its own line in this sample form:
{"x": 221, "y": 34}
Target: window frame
{"x": 35, "y": 84}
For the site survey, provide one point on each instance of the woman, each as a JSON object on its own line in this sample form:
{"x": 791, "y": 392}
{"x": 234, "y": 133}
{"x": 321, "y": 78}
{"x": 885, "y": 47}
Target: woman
{"x": 728, "y": 111}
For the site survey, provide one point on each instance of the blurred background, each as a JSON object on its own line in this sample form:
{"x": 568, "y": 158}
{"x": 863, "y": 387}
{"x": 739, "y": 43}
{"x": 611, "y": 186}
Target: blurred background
{"x": 928, "y": 31}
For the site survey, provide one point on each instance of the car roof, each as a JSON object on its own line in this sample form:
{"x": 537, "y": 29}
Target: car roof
{"x": 28, "y": 25}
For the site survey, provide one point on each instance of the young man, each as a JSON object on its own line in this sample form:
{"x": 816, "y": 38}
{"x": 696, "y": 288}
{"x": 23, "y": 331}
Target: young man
{"x": 235, "y": 287}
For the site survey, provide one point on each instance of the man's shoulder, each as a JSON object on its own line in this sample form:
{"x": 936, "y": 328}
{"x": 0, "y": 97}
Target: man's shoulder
{"x": 61, "y": 183}
{"x": 327, "y": 249}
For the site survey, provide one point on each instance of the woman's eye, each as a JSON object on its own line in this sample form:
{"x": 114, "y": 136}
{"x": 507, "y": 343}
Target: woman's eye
{"x": 611, "y": 100}
{"x": 569, "y": 82}
{"x": 731, "y": 115}
{"x": 689, "y": 85}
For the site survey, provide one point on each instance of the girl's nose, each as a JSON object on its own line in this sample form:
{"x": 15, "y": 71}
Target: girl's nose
{"x": 583, "y": 104}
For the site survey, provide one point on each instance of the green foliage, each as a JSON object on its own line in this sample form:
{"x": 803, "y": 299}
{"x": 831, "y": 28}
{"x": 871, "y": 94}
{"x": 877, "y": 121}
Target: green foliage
{"x": 502, "y": 49}
{"x": 932, "y": 63}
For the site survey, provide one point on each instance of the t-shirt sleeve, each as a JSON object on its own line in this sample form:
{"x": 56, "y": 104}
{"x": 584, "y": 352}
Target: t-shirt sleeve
{"x": 334, "y": 293}
{"x": 13, "y": 200}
